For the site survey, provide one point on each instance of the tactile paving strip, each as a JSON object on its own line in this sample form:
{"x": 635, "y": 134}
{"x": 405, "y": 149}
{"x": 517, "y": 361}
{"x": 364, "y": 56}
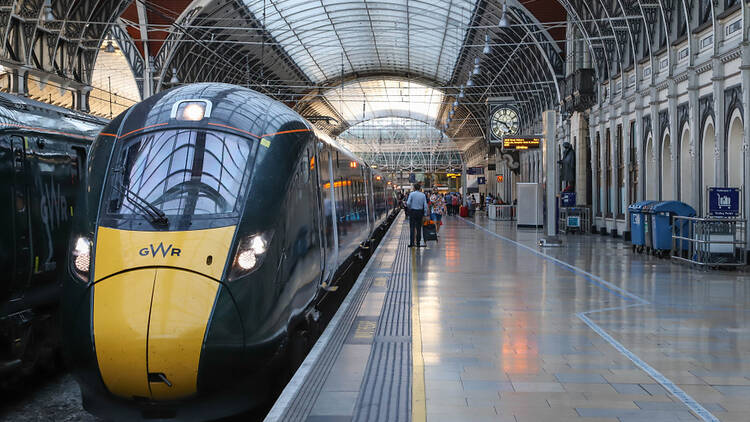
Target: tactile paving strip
{"x": 385, "y": 394}
{"x": 303, "y": 402}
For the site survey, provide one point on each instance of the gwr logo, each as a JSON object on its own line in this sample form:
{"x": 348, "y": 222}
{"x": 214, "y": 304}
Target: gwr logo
{"x": 151, "y": 250}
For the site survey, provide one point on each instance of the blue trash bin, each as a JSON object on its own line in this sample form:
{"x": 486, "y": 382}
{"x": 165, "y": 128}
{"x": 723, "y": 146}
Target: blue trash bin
{"x": 662, "y": 214}
{"x": 638, "y": 225}
{"x": 648, "y": 226}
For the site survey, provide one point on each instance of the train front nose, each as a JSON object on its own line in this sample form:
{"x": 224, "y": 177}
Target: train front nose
{"x": 149, "y": 328}
{"x": 153, "y": 306}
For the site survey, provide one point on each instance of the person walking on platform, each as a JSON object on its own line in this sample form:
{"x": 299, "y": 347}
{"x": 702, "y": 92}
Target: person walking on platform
{"x": 416, "y": 209}
{"x": 437, "y": 209}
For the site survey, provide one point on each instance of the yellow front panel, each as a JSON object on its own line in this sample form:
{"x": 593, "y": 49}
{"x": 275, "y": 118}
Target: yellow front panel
{"x": 121, "y": 309}
{"x": 180, "y": 311}
{"x": 119, "y": 250}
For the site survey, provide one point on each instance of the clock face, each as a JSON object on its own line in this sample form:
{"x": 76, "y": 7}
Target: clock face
{"x": 504, "y": 122}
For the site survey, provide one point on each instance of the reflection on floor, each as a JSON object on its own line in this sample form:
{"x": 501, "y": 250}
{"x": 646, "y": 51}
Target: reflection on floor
{"x": 591, "y": 332}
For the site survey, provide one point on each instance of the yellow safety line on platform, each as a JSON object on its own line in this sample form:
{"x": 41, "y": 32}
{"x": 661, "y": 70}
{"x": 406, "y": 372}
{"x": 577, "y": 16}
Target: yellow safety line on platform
{"x": 418, "y": 400}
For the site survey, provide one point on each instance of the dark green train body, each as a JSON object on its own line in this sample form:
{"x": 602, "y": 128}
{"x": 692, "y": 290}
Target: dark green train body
{"x": 42, "y": 163}
{"x": 213, "y": 219}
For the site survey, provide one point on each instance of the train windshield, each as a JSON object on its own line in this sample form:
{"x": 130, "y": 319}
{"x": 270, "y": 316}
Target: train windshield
{"x": 184, "y": 173}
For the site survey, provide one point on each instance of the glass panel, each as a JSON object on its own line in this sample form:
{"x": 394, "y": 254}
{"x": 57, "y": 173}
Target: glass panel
{"x": 373, "y": 34}
{"x": 385, "y": 97}
{"x": 181, "y": 172}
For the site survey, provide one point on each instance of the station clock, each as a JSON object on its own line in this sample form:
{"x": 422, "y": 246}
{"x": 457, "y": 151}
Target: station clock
{"x": 503, "y": 122}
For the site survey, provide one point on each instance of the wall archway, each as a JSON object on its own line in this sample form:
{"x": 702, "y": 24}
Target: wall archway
{"x": 708, "y": 160}
{"x": 651, "y": 177}
{"x": 667, "y": 179}
{"x": 734, "y": 151}
{"x": 686, "y": 169}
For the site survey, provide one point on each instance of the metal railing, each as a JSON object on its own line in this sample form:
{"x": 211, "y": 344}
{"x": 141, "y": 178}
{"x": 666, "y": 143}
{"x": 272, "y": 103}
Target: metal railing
{"x": 502, "y": 212}
{"x": 709, "y": 241}
{"x": 574, "y": 220}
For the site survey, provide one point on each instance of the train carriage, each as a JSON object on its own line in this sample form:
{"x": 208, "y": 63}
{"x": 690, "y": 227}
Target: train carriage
{"x": 42, "y": 163}
{"x": 214, "y": 219}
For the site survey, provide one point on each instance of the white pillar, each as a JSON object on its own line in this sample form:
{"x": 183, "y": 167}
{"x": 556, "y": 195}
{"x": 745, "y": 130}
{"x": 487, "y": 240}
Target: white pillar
{"x": 745, "y": 72}
{"x": 594, "y": 162}
{"x": 625, "y": 190}
{"x": 655, "y": 142}
{"x": 673, "y": 135}
{"x": 549, "y": 119}
{"x": 695, "y": 132}
{"x": 639, "y": 147}
{"x": 613, "y": 151}
{"x": 717, "y": 80}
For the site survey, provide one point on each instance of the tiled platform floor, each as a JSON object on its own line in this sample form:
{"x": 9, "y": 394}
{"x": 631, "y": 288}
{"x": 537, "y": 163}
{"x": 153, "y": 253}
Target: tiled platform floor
{"x": 510, "y": 334}
{"x": 502, "y": 339}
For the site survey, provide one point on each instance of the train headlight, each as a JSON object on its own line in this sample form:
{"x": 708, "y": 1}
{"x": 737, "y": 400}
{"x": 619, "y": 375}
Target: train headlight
{"x": 247, "y": 259}
{"x": 81, "y": 258}
{"x": 250, "y": 254}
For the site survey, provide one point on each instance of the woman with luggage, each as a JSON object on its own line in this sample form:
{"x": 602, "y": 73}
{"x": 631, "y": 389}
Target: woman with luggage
{"x": 437, "y": 209}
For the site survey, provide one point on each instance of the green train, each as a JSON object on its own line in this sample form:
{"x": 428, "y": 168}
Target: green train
{"x": 42, "y": 164}
{"x": 213, "y": 221}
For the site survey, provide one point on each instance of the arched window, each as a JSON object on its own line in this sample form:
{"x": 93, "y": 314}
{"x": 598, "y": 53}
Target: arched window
{"x": 633, "y": 170}
{"x": 609, "y": 189}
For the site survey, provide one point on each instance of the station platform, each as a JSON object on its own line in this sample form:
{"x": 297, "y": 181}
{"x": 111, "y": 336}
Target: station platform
{"x": 485, "y": 326}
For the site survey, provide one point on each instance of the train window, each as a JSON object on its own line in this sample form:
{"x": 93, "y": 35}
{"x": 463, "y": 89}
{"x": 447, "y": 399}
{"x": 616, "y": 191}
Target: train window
{"x": 180, "y": 172}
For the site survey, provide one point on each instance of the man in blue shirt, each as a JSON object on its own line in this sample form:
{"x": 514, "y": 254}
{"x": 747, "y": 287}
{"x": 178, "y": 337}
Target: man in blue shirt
{"x": 416, "y": 208}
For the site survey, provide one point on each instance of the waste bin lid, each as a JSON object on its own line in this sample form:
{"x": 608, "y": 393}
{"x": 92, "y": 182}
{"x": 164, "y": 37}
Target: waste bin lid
{"x": 637, "y": 206}
{"x": 674, "y": 207}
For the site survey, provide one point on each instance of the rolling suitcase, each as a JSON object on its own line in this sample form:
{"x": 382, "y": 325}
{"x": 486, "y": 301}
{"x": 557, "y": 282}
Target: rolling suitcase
{"x": 463, "y": 211}
{"x": 429, "y": 232}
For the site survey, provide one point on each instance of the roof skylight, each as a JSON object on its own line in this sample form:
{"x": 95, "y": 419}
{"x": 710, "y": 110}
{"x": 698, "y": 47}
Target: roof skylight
{"x": 367, "y": 99}
{"x": 326, "y": 38}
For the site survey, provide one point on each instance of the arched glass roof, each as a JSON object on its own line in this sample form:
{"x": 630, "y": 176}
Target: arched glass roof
{"x": 331, "y": 38}
{"x": 397, "y": 144}
{"x": 366, "y": 99}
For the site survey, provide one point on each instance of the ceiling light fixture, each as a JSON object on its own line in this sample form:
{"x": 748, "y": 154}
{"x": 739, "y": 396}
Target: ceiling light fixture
{"x": 174, "y": 79}
{"x": 452, "y": 113}
{"x": 487, "y": 49}
{"x": 109, "y": 48}
{"x": 455, "y": 103}
{"x": 469, "y": 82}
{"x": 477, "y": 70}
{"x": 461, "y": 92}
{"x": 504, "y": 17}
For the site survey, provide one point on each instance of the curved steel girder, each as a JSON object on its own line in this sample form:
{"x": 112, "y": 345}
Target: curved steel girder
{"x": 660, "y": 24}
{"x": 67, "y": 46}
{"x": 193, "y": 24}
{"x": 542, "y": 62}
{"x": 504, "y": 83}
{"x": 130, "y": 51}
{"x": 532, "y": 68}
{"x": 164, "y": 55}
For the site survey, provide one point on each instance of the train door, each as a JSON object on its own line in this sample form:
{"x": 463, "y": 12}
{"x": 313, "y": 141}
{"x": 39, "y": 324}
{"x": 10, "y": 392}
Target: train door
{"x": 21, "y": 225}
{"x": 328, "y": 202}
{"x": 367, "y": 193}
{"x": 52, "y": 185}
{"x": 313, "y": 184}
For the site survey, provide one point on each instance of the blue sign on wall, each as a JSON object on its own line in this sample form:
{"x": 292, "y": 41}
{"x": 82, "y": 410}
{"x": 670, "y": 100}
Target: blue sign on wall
{"x": 481, "y": 180}
{"x": 724, "y": 202}
{"x": 475, "y": 170}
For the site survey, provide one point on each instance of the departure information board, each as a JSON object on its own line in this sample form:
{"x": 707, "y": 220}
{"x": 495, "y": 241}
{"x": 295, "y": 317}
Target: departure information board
{"x": 521, "y": 143}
